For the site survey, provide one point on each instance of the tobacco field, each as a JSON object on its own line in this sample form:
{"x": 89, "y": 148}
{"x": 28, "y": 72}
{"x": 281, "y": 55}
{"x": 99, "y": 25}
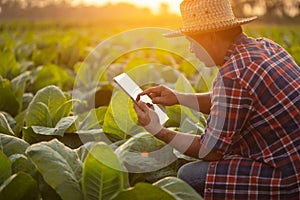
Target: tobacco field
{"x": 66, "y": 131}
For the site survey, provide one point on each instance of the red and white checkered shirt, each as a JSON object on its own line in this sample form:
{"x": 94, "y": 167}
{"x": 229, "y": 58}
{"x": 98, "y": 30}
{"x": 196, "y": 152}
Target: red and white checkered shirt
{"x": 255, "y": 123}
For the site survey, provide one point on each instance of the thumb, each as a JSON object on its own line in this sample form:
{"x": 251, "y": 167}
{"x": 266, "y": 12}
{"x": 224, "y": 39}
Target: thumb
{"x": 143, "y": 106}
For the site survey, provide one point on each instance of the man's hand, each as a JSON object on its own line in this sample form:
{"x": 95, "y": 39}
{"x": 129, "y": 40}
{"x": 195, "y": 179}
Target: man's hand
{"x": 147, "y": 117}
{"x": 168, "y": 97}
{"x": 161, "y": 95}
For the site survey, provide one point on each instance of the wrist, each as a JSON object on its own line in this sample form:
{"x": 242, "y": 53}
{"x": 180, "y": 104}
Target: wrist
{"x": 154, "y": 128}
{"x": 179, "y": 97}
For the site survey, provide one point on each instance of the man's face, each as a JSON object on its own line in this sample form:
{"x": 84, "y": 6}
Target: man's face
{"x": 201, "y": 48}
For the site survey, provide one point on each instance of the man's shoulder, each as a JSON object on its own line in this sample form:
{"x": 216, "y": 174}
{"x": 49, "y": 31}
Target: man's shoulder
{"x": 257, "y": 49}
{"x": 250, "y": 52}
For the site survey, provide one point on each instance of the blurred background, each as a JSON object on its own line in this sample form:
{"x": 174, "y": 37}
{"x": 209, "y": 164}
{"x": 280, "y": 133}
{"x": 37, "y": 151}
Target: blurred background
{"x": 131, "y": 11}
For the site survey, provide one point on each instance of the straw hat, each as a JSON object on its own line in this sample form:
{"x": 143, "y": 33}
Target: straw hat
{"x": 202, "y": 16}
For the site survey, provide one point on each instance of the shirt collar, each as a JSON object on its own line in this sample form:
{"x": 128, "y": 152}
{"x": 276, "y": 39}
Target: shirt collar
{"x": 238, "y": 40}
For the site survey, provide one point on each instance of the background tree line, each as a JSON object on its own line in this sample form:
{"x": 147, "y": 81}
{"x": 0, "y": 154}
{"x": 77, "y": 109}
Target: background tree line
{"x": 268, "y": 10}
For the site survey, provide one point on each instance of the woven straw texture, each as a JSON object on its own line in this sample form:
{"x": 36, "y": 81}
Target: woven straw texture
{"x": 202, "y": 16}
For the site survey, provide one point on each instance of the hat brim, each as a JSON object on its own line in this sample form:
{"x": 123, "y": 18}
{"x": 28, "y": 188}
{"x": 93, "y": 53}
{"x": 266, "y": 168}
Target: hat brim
{"x": 209, "y": 28}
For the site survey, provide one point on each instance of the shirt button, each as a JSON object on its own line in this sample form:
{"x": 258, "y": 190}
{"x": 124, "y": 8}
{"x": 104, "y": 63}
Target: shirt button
{"x": 208, "y": 189}
{"x": 212, "y": 165}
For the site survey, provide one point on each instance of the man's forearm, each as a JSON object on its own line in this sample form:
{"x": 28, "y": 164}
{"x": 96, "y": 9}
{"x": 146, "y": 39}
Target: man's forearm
{"x": 187, "y": 144}
{"x": 200, "y": 102}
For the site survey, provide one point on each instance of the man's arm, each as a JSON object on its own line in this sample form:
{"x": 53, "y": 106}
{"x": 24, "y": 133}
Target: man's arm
{"x": 200, "y": 102}
{"x": 187, "y": 144}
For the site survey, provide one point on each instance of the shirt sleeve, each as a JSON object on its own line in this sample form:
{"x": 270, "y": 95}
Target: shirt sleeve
{"x": 230, "y": 111}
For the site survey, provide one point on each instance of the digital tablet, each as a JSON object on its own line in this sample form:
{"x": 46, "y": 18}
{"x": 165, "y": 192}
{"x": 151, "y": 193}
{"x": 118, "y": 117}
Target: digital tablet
{"x": 133, "y": 90}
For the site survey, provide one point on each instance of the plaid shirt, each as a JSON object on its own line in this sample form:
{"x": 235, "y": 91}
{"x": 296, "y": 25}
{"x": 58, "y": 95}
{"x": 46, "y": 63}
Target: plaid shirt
{"x": 255, "y": 123}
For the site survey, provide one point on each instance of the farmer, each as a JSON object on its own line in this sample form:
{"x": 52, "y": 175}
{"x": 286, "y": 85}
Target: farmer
{"x": 251, "y": 146}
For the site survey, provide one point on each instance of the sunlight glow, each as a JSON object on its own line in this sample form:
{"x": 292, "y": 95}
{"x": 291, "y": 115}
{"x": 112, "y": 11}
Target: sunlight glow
{"x": 154, "y": 5}
{"x": 290, "y": 6}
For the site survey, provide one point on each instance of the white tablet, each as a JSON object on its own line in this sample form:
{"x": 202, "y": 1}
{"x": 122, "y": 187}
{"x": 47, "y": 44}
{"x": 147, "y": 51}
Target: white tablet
{"x": 133, "y": 90}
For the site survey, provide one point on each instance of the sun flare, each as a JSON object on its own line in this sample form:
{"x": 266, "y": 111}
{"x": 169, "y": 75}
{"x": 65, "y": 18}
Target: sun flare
{"x": 151, "y": 4}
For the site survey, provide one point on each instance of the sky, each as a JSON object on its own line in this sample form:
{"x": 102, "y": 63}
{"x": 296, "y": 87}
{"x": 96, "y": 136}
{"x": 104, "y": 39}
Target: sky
{"x": 174, "y": 5}
{"x": 152, "y": 4}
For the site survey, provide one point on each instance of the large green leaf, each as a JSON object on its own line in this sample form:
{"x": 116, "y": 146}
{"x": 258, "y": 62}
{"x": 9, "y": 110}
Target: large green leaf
{"x": 92, "y": 119}
{"x": 147, "y": 158}
{"x": 4, "y": 125}
{"x": 145, "y": 153}
{"x": 178, "y": 188}
{"x": 20, "y": 120}
{"x": 42, "y": 130}
{"x": 31, "y": 137}
{"x": 8, "y": 100}
{"x": 120, "y": 118}
{"x": 102, "y": 174}
{"x": 11, "y": 121}
{"x": 58, "y": 130}
{"x": 20, "y": 162}
{"x": 144, "y": 191}
{"x": 26, "y": 99}
{"x": 8, "y": 65}
{"x": 19, "y": 84}
{"x": 59, "y": 166}
{"x": 48, "y": 114}
{"x": 63, "y": 111}
{"x": 12, "y": 145}
{"x": 19, "y": 186}
{"x": 52, "y": 97}
{"x": 38, "y": 115}
{"x": 47, "y": 192}
{"x": 51, "y": 75}
{"x": 5, "y": 167}
{"x": 84, "y": 150}
{"x": 153, "y": 176}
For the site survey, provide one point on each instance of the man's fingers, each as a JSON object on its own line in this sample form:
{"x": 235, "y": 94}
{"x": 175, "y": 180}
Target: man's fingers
{"x": 150, "y": 106}
{"x": 153, "y": 95}
{"x": 143, "y": 106}
{"x": 154, "y": 90}
{"x": 151, "y": 92}
{"x": 159, "y": 100}
{"x": 136, "y": 108}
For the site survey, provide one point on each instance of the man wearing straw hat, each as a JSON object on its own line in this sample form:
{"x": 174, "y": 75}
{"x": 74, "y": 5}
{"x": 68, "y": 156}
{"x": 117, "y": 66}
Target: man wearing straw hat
{"x": 251, "y": 145}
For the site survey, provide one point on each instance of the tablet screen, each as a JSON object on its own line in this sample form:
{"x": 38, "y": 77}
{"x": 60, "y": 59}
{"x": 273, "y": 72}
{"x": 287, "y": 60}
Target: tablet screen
{"x": 132, "y": 90}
